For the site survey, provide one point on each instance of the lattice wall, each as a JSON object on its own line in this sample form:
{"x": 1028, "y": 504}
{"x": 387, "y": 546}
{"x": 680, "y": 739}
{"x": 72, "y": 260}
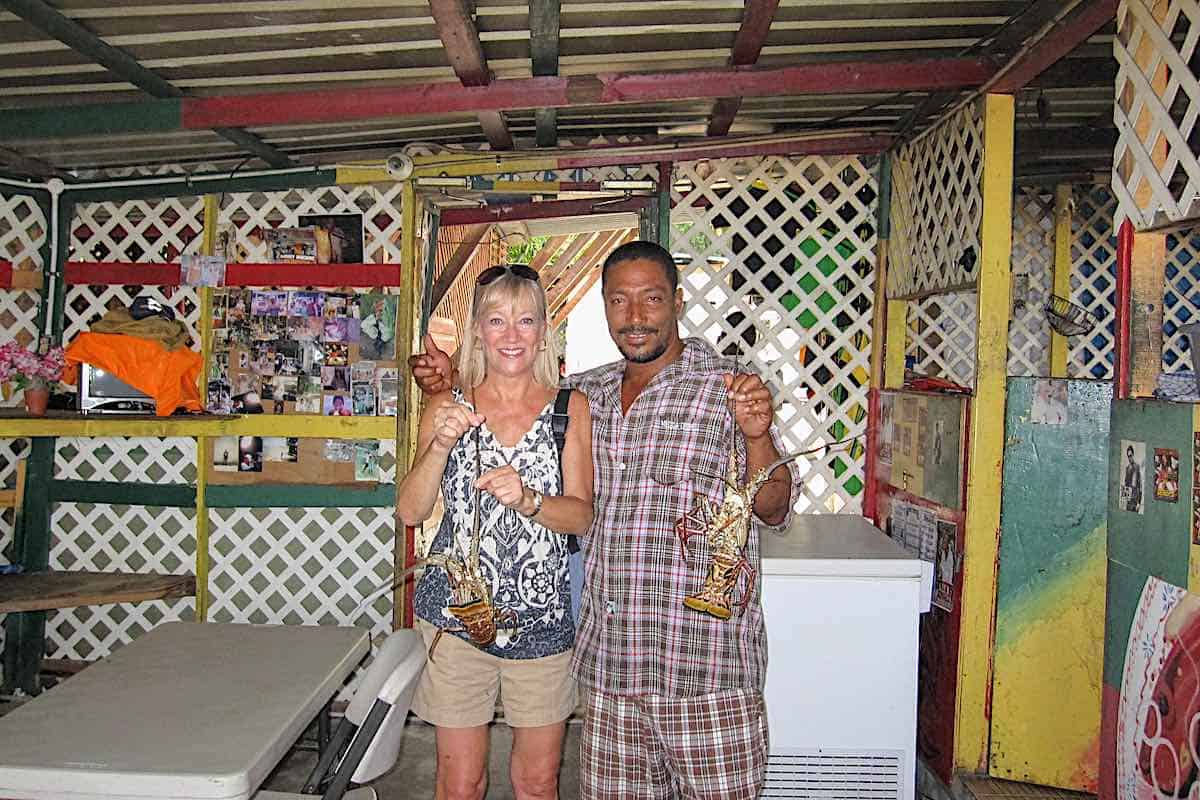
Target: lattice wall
{"x": 941, "y": 336}
{"x": 1162, "y": 96}
{"x": 1181, "y": 298}
{"x": 87, "y": 536}
{"x": 782, "y": 270}
{"x": 312, "y": 566}
{"x": 157, "y": 231}
{"x": 1094, "y": 280}
{"x": 1033, "y": 281}
{"x": 937, "y": 208}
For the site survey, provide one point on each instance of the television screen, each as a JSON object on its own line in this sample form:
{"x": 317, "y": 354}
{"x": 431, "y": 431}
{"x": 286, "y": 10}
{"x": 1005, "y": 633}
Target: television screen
{"x": 105, "y": 385}
{"x": 101, "y": 391}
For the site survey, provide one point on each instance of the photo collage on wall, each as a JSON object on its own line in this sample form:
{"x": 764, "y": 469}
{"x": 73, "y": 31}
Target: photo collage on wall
{"x": 303, "y": 352}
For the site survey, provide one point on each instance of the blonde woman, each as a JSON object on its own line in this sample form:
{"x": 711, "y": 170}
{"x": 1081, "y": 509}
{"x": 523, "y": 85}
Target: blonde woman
{"x": 489, "y": 448}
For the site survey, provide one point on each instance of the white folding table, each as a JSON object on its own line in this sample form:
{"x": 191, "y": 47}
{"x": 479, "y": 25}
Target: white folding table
{"x": 189, "y": 711}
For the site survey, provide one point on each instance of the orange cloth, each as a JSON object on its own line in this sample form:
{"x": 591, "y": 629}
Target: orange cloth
{"x": 171, "y": 377}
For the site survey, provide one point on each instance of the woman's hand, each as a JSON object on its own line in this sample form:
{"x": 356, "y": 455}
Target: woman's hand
{"x": 450, "y": 422}
{"x": 504, "y": 483}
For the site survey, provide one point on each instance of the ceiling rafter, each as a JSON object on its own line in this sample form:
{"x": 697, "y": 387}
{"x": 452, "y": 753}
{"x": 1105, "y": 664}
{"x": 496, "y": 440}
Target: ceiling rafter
{"x": 544, "y": 29}
{"x": 458, "y": 259}
{"x": 751, "y": 36}
{"x": 1071, "y": 31}
{"x": 460, "y": 38}
{"x": 49, "y": 21}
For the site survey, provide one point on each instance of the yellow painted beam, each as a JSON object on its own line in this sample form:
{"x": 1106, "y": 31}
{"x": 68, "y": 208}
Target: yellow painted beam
{"x": 986, "y": 455}
{"x": 208, "y": 246}
{"x": 301, "y": 425}
{"x": 1061, "y": 285}
{"x": 1148, "y": 268}
{"x": 897, "y": 335}
{"x": 409, "y": 408}
{"x": 364, "y": 173}
{"x": 455, "y": 165}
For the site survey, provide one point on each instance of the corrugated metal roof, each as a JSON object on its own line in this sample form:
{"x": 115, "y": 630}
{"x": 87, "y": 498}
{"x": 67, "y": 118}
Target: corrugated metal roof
{"x": 207, "y": 49}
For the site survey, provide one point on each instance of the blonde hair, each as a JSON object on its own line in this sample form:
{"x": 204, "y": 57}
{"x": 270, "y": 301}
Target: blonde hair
{"x": 507, "y": 290}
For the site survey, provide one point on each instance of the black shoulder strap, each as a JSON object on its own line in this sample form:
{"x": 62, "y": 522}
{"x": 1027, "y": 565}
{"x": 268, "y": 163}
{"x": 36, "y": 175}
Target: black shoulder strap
{"x": 558, "y": 421}
{"x": 560, "y": 418}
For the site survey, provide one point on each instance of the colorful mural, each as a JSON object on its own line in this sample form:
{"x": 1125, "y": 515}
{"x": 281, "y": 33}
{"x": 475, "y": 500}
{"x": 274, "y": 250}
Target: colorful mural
{"x": 1050, "y": 586}
{"x": 1150, "y": 736}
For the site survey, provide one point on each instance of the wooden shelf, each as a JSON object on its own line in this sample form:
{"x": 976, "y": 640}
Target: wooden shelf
{"x": 40, "y": 591}
{"x": 66, "y": 423}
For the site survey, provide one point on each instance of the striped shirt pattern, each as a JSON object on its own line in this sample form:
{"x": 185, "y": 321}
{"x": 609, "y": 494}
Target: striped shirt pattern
{"x": 635, "y": 636}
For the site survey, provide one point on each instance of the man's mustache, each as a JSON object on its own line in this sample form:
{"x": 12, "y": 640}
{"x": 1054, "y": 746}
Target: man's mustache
{"x": 633, "y": 330}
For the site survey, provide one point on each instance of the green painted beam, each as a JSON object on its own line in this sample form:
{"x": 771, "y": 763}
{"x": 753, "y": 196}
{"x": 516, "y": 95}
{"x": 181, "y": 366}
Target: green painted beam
{"x": 544, "y": 28}
{"x": 58, "y": 300}
{"x": 147, "y": 116}
{"x": 883, "y": 205}
{"x": 297, "y": 495}
{"x": 192, "y": 185}
{"x": 435, "y": 224}
{"x": 123, "y": 493}
{"x": 25, "y": 633}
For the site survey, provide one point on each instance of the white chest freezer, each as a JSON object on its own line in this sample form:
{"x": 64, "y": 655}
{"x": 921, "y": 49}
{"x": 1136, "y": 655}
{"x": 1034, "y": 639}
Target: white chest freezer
{"x": 842, "y": 603}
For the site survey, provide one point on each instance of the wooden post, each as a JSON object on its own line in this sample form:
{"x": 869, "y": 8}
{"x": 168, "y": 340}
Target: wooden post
{"x": 203, "y": 460}
{"x": 879, "y": 323}
{"x": 986, "y": 453}
{"x": 1061, "y": 283}
{"x": 408, "y": 402}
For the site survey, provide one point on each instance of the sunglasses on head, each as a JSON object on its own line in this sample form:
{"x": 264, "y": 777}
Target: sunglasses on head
{"x": 492, "y": 274}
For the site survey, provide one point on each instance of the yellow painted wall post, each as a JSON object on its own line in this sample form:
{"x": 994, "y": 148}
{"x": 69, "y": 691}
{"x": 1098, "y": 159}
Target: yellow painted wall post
{"x": 1061, "y": 285}
{"x": 408, "y": 401}
{"x": 208, "y": 245}
{"x": 897, "y": 337}
{"x": 986, "y": 455}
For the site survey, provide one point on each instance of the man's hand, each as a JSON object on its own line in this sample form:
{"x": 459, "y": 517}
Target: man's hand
{"x": 753, "y": 409}
{"x": 450, "y": 422}
{"x": 504, "y": 483}
{"x": 432, "y": 369}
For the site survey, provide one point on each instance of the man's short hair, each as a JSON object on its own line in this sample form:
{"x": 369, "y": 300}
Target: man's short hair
{"x": 631, "y": 251}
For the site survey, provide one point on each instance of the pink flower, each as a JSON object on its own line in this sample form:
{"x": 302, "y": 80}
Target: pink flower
{"x": 25, "y": 367}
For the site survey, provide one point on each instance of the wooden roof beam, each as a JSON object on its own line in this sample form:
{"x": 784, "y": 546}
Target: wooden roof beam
{"x": 752, "y": 34}
{"x": 544, "y": 27}
{"x": 1073, "y": 30}
{"x": 552, "y": 273}
{"x": 458, "y": 259}
{"x": 460, "y": 38}
{"x": 49, "y": 21}
{"x": 599, "y": 247}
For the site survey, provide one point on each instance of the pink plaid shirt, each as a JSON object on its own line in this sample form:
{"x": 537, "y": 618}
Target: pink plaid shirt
{"x": 635, "y": 636}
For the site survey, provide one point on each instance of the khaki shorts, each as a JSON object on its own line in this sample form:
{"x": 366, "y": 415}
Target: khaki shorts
{"x": 458, "y": 688}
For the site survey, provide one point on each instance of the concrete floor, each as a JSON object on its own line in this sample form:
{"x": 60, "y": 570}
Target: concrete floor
{"x": 414, "y": 773}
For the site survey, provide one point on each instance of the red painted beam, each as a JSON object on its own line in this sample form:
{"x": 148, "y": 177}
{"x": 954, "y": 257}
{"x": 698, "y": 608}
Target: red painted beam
{"x": 1124, "y": 310}
{"x": 289, "y": 108}
{"x": 6, "y": 274}
{"x": 545, "y": 210}
{"x": 751, "y": 36}
{"x": 844, "y": 78}
{"x": 1087, "y": 18}
{"x": 120, "y": 273}
{"x": 286, "y": 108}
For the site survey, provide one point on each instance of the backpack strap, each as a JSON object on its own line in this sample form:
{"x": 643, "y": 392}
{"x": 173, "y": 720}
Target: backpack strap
{"x": 558, "y": 422}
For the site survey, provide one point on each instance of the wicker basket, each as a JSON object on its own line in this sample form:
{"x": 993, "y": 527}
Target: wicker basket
{"x": 1068, "y": 318}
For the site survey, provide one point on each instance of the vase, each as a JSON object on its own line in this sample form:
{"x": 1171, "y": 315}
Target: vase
{"x": 36, "y": 398}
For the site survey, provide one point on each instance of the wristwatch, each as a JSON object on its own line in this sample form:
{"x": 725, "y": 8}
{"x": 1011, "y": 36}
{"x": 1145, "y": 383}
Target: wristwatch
{"x": 537, "y": 502}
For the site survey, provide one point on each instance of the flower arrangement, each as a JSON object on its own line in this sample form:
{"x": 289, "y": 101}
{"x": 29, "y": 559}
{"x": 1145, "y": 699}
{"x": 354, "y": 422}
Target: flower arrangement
{"x": 27, "y": 369}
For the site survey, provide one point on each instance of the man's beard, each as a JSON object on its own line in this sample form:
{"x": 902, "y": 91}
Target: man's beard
{"x": 646, "y": 357}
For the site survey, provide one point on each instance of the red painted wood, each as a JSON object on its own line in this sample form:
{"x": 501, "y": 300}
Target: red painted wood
{"x": 848, "y": 77}
{"x": 857, "y": 144}
{"x": 1089, "y": 17}
{"x": 752, "y": 34}
{"x": 1123, "y": 312}
{"x": 6, "y": 274}
{"x": 509, "y": 212}
{"x": 285, "y": 108}
{"x": 144, "y": 274}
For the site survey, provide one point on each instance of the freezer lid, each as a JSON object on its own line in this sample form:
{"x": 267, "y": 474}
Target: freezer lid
{"x": 844, "y": 545}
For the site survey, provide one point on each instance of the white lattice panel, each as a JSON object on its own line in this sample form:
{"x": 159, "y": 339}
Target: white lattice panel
{"x": 937, "y": 208}
{"x": 104, "y": 538}
{"x": 941, "y": 336}
{"x": 126, "y": 459}
{"x": 22, "y": 235}
{"x": 301, "y": 566}
{"x": 1162, "y": 96}
{"x": 252, "y": 213}
{"x": 156, "y": 231}
{"x": 1181, "y": 297}
{"x": 782, "y": 269}
{"x": 1094, "y": 280}
{"x": 1033, "y": 280}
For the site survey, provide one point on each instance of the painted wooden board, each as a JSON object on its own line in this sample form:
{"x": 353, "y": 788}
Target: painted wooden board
{"x": 39, "y": 591}
{"x": 1050, "y": 585}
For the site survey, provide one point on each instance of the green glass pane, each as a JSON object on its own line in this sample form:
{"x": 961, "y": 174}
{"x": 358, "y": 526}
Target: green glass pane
{"x": 807, "y": 319}
{"x": 808, "y": 283}
{"x": 854, "y": 485}
{"x": 825, "y": 302}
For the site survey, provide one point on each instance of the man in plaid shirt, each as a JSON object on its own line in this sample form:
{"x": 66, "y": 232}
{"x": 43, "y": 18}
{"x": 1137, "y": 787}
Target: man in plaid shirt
{"x": 674, "y": 697}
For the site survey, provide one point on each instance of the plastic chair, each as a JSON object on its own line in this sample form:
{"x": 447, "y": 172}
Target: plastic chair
{"x": 366, "y": 743}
